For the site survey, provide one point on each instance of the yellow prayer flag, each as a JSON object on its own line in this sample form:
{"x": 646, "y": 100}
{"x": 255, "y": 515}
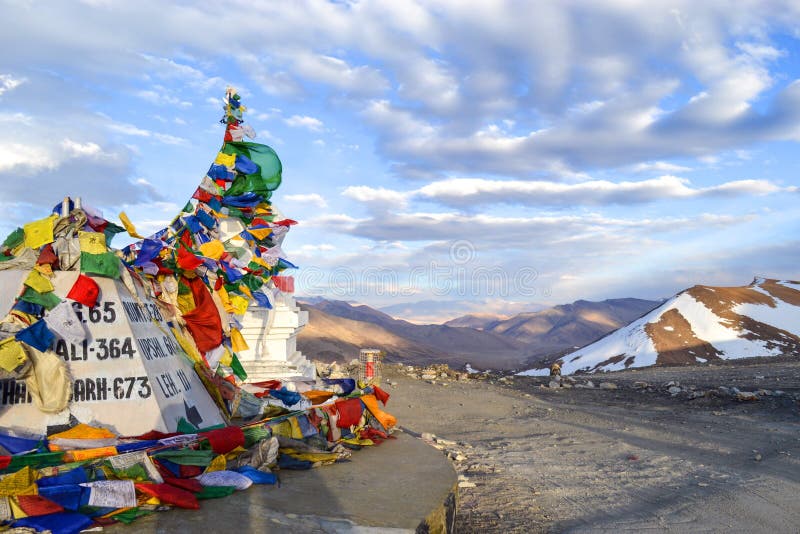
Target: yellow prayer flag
{"x": 12, "y": 354}
{"x": 79, "y": 455}
{"x": 217, "y": 464}
{"x": 237, "y": 341}
{"x": 246, "y": 290}
{"x": 261, "y": 262}
{"x": 226, "y": 301}
{"x": 23, "y": 482}
{"x": 39, "y": 233}
{"x": 260, "y": 233}
{"x": 226, "y": 358}
{"x": 16, "y": 511}
{"x": 39, "y": 282}
{"x": 213, "y": 249}
{"x": 239, "y": 304}
{"x": 84, "y": 431}
{"x": 187, "y": 347}
{"x": 46, "y": 269}
{"x": 92, "y": 242}
{"x": 126, "y": 222}
{"x": 186, "y": 303}
{"x": 225, "y": 159}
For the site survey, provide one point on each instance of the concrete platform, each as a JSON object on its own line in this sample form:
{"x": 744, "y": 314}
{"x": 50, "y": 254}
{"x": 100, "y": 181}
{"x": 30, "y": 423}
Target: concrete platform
{"x": 402, "y": 485}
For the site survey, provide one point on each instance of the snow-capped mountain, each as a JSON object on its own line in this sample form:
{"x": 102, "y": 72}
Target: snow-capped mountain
{"x": 700, "y": 324}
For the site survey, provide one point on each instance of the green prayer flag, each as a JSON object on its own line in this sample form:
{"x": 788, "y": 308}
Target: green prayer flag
{"x": 214, "y": 492}
{"x": 15, "y": 238}
{"x": 268, "y": 176}
{"x": 49, "y": 300}
{"x": 185, "y": 427}
{"x": 35, "y": 460}
{"x": 111, "y": 230}
{"x": 105, "y": 264}
{"x": 187, "y": 456}
{"x": 252, "y": 282}
{"x": 131, "y": 515}
{"x": 254, "y": 434}
{"x": 238, "y": 370}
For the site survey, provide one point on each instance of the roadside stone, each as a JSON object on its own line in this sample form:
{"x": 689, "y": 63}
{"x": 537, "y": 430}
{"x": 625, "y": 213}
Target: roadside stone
{"x": 724, "y": 391}
{"x": 674, "y": 390}
{"x": 589, "y": 384}
{"x": 569, "y": 380}
{"x": 566, "y": 385}
{"x": 554, "y": 384}
{"x": 428, "y": 376}
{"x": 746, "y": 396}
{"x": 764, "y": 393}
{"x": 757, "y": 457}
{"x": 466, "y": 484}
{"x": 608, "y": 385}
{"x": 672, "y": 383}
{"x": 427, "y": 436}
{"x": 639, "y": 384}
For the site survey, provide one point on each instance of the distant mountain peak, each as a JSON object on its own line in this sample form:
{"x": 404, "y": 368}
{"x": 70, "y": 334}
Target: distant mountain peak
{"x": 700, "y": 324}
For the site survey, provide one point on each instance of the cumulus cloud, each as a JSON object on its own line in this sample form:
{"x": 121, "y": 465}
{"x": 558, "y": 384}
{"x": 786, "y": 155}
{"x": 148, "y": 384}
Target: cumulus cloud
{"x": 9, "y": 83}
{"x": 304, "y": 121}
{"x": 376, "y": 197}
{"x": 472, "y": 192}
{"x": 314, "y": 199}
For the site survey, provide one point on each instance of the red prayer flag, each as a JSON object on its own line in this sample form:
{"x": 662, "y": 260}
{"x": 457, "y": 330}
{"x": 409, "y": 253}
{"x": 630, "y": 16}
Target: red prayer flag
{"x": 224, "y": 440}
{"x": 47, "y": 256}
{"x": 84, "y": 290}
{"x": 380, "y": 394}
{"x": 203, "y": 321}
{"x": 189, "y": 484}
{"x": 350, "y": 411}
{"x": 284, "y": 283}
{"x": 170, "y": 495}
{"x": 36, "y": 505}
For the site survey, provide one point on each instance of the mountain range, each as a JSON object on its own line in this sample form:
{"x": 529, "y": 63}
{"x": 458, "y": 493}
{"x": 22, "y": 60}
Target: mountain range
{"x": 698, "y": 325}
{"x": 337, "y": 330}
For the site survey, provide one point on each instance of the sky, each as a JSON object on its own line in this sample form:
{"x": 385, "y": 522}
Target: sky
{"x": 440, "y": 157}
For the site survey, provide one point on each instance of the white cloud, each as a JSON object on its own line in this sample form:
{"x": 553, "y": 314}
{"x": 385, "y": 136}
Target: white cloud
{"x": 133, "y": 130}
{"x": 659, "y": 166}
{"x": 80, "y": 149}
{"x": 338, "y": 73}
{"x": 9, "y": 83}
{"x": 310, "y": 198}
{"x": 304, "y": 121}
{"x": 472, "y": 192}
{"x": 376, "y": 196}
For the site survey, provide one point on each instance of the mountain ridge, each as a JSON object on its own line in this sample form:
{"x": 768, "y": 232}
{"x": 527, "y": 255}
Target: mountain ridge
{"x": 700, "y": 324}
{"x": 509, "y": 343}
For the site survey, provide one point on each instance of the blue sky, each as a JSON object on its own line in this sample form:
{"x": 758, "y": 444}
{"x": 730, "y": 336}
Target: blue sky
{"x": 493, "y": 156}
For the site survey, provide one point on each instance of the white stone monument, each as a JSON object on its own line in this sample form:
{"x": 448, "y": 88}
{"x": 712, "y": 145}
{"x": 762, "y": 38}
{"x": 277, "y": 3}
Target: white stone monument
{"x": 272, "y": 338}
{"x": 271, "y": 335}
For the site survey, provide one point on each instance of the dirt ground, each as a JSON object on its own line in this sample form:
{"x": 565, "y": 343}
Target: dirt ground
{"x": 538, "y": 459}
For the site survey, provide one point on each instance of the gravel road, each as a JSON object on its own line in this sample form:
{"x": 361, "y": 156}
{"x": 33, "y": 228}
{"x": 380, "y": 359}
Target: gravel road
{"x": 635, "y": 458}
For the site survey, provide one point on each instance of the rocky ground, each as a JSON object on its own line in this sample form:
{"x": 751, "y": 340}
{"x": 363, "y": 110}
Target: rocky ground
{"x": 712, "y": 448}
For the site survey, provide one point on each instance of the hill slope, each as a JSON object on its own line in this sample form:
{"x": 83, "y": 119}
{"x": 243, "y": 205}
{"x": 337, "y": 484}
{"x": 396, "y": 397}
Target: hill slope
{"x": 700, "y": 324}
{"x": 570, "y": 325}
{"x": 338, "y": 329}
